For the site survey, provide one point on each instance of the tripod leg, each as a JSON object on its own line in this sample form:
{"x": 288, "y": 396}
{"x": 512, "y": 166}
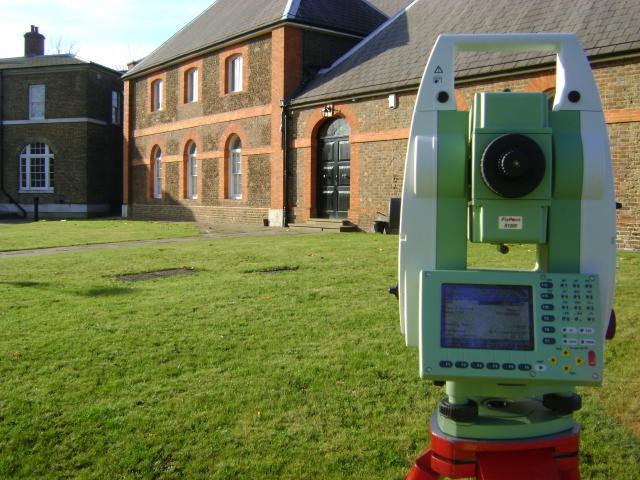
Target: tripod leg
{"x": 422, "y": 470}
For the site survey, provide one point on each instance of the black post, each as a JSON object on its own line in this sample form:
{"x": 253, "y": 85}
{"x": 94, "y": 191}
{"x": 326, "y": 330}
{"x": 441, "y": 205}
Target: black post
{"x": 36, "y": 205}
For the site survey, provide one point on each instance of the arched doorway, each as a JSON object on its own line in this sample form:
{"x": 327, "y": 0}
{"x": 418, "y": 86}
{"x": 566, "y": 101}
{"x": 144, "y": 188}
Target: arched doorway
{"x": 334, "y": 170}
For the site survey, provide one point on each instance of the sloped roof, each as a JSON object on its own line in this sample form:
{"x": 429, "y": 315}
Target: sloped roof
{"x": 395, "y": 55}
{"x": 41, "y": 61}
{"x": 389, "y": 7}
{"x": 353, "y": 16}
{"x": 225, "y": 20}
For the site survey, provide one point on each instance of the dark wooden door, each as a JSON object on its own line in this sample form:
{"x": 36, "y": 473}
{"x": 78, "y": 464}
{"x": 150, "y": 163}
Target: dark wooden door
{"x": 334, "y": 175}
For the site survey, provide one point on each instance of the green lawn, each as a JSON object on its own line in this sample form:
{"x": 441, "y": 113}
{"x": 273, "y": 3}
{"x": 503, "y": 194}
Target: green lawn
{"x": 60, "y": 233}
{"x": 280, "y": 358}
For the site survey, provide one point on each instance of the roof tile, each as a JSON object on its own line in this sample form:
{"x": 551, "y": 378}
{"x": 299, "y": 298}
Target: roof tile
{"x": 228, "y": 19}
{"x": 396, "y": 55}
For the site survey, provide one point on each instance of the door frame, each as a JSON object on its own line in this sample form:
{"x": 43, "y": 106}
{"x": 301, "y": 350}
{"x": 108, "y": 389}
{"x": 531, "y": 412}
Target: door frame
{"x": 308, "y": 143}
{"x": 333, "y": 214}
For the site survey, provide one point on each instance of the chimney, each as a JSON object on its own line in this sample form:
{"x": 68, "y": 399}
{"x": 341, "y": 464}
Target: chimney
{"x": 33, "y": 43}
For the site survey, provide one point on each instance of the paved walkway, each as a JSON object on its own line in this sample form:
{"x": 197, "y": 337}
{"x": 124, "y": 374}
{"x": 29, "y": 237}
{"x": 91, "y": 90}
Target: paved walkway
{"x": 215, "y": 232}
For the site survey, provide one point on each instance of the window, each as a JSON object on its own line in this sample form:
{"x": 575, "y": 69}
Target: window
{"x": 116, "y": 115}
{"x": 234, "y": 72}
{"x": 157, "y": 173}
{"x": 192, "y": 171}
{"x": 235, "y": 169}
{"x": 191, "y": 86}
{"x": 36, "y": 168}
{"x": 156, "y": 96}
{"x": 36, "y": 102}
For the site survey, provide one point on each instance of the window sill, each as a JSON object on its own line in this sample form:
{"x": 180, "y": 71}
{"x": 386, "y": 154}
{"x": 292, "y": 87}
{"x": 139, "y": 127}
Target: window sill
{"x": 233, "y": 202}
{"x": 36, "y": 190}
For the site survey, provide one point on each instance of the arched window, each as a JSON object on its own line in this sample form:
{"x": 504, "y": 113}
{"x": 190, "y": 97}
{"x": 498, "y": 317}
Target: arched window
{"x": 235, "y": 168}
{"x": 156, "y": 95}
{"x": 336, "y": 128}
{"x": 157, "y": 173}
{"x": 191, "y": 83}
{"x": 192, "y": 171}
{"x": 234, "y": 74}
{"x": 36, "y": 168}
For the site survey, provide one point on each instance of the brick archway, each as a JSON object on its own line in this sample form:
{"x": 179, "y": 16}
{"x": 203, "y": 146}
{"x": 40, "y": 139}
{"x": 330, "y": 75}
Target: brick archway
{"x": 156, "y": 142}
{"x": 543, "y": 82}
{"x": 310, "y": 162}
{"x": 232, "y": 131}
{"x": 187, "y": 139}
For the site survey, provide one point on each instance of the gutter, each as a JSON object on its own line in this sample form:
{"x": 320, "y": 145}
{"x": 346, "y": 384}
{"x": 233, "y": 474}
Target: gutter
{"x": 2, "y": 188}
{"x": 461, "y": 81}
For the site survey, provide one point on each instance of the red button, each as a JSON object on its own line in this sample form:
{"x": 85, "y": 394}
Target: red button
{"x": 592, "y": 358}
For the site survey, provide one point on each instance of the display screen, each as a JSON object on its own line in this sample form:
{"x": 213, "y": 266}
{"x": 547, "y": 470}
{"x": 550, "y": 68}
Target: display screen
{"x": 490, "y": 317}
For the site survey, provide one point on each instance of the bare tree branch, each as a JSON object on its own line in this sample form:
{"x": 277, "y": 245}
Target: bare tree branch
{"x": 60, "y": 46}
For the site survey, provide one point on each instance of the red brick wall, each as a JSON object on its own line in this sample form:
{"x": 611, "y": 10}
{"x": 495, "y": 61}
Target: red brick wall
{"x": 199, "y": 213}
{"x": 209, "y": 123}
{"x": 383, "y": 133}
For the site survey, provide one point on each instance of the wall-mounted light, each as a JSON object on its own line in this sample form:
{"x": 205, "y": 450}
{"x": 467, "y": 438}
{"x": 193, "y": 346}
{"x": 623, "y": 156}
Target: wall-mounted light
{"x": 328, "y": 111}
{"x": 393, "y": 100}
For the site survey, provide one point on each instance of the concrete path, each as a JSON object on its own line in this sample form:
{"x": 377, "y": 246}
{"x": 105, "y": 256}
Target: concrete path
{"x": 208, "y": 233}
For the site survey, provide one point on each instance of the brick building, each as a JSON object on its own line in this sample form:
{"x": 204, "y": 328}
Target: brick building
{"x": 203, "y": 113}
{"x": 344, "y": 117}
{"x": 60, "y": 134}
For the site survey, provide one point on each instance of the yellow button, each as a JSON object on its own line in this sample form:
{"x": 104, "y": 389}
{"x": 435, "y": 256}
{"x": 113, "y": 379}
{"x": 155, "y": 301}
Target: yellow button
{"x": 566, "y": 352}
{"x": 566, "y": 368}
{"x": 579, "y": 361}
{"x": 553, "y": 361}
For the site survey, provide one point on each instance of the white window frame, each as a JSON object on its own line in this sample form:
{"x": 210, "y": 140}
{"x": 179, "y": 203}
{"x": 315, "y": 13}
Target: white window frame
{"x": 192, "y": 86}
{"x": 156, "y": 95}
{"x": 234, "y": 73}
{"x": 235, "y": 169}
{"x": 192, "y": 171}
{"x": 116, "y": 111}
{"x": 157, "y": 173}
{"x": 36, "y": 102}
{"x": 27, "y": 159}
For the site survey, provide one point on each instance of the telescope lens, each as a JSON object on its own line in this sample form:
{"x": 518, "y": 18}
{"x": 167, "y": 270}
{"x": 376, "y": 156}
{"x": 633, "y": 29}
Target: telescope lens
{"x": 512, "y": 165}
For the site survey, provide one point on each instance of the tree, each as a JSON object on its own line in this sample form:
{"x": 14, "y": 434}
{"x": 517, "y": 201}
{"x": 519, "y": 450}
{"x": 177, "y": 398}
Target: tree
{"x": 60, "y": 46}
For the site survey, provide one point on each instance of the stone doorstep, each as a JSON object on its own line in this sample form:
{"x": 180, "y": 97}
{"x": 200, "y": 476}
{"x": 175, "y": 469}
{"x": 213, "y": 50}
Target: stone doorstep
{"x": 328, "y": 225}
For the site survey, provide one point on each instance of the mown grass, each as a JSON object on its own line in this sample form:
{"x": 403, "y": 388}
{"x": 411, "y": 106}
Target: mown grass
{"x": 280, "y": 358}
{"x": 60, "y": 233}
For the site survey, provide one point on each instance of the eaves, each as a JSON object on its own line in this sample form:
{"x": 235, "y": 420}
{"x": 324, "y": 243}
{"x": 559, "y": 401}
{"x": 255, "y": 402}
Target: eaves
{"x": 241, "y": 37}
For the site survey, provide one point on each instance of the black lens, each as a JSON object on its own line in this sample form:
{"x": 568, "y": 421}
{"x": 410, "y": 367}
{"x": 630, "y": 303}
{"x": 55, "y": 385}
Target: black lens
{"x": 512, "y": 165}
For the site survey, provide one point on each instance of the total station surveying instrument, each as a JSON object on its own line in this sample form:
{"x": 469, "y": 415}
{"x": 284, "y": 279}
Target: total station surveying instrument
{"x": 510, "y": 345}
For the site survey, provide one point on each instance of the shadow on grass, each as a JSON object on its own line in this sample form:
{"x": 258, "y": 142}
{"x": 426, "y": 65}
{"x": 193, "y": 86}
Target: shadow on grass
{"x": 26, "y": 284}
{"x": 94, "y": 292}
{"x": 105, "y": 292}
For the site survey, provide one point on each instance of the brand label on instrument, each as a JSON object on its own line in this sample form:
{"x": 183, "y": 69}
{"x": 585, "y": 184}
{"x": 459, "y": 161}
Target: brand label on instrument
{"x": 506, "y": 222}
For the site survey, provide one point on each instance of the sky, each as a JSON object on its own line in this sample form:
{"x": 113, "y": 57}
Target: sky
{"x": 109, "y": 32}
